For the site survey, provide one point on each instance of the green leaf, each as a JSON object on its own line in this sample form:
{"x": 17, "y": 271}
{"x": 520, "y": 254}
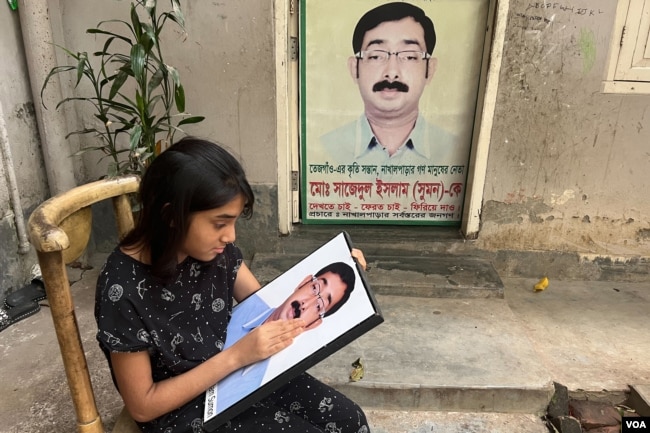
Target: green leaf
{"x": 129, "y": 102}
{"x": 137, "y": 61}
{"x": 81, "y": 132}
{"x": 105, "y": 54}
{"x": 155, "y": 80}
{"x": 135, "y": 20}
{"x": 81, "y": 66}
{"x": 74, "y": 98}
{"x": 151, "y": 33}
{"x": 113, "y": 169}
{"x": 134, "y": 137}
{"x": 67, "y": 51}
{"x": 119, "y": 107}
{"x": 193, "y": 119}
{"x": 178, "y": 14}
{"x": 173, "y": 73}
{"x": 91, "y": 149}
{"x": 122, "y": 59}
{"x": 150, "y": 6}
{"x": 53, "y": 72}
{"x": 120, "y": 79}
{"x": 139, "y": 101}
{"x": 147, "y": 42}
{"x": 102, "y": 117}
{"x": 154, "y": 101}
{"x": 179, "y": 97}
{"x": 104, "y": 32}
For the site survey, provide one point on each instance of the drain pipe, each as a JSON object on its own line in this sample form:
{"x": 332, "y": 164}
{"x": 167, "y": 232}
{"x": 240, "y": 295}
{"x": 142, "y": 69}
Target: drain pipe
{"x": 41, "y": 58}
{"x": 8, "y": 163}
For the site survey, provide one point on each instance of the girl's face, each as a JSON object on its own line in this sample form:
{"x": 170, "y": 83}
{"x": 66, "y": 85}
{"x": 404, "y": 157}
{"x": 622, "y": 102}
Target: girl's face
{"x": 210, "y": 231}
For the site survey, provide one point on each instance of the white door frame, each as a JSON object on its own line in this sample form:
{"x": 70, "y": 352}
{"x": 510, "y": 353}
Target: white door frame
{"x": 288, "y": 119}
{"x": 486, "y": 104}
{"x": 285, "y": 21}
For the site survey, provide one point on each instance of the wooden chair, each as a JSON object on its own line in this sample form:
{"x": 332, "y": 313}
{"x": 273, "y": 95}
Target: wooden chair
{"x": 59, "y": 230}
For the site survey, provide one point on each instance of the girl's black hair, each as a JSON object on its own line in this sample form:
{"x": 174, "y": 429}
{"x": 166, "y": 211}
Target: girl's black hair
{"x": 192, "y": 175}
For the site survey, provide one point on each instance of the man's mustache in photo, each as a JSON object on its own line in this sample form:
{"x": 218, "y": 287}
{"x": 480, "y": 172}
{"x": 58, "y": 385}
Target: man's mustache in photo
{"x": 296, "y": 309}
{"x": 396, "y": 85}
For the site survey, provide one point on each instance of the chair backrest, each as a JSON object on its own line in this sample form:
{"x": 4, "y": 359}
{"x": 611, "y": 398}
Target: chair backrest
{"x": 59, "y": 230}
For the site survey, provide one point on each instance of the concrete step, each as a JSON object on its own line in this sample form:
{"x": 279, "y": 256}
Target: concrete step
{"x": 379, "y": 240}
{"x": 436, "y": 275}
{"x": 436, "y": 354}
{"x": 387, "y": 421}
{"x": 449, "y": 341}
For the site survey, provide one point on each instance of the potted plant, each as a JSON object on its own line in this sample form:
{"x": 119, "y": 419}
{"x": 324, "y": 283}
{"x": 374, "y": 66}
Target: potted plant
{"x": 139, "y": 100}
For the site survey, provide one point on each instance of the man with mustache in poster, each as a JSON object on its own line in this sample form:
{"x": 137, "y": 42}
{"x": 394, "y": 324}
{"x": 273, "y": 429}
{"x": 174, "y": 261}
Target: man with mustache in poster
{"x": 392, "y": 65}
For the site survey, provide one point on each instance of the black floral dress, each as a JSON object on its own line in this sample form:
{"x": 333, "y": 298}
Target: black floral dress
{"x": 180, "y": 324}
{"x": 183, "y": 324}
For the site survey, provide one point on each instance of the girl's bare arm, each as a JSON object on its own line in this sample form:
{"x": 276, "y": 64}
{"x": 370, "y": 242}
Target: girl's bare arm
{"x": 146, "y": 400}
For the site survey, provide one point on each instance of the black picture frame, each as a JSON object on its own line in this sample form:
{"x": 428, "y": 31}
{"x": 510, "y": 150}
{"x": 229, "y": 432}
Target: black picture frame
{"x": 358, "y": 315}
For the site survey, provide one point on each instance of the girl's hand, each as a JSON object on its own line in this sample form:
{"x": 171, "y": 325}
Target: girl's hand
{"x": 267, "y": 340}
{"x": 358, "y": 254}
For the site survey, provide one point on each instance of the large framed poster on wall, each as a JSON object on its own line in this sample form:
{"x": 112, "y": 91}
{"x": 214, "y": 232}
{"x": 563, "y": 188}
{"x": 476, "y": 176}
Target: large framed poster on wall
{"x": 388, "y": 100}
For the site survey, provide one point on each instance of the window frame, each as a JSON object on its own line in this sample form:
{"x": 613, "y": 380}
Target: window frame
{"x": 628, "y": 67}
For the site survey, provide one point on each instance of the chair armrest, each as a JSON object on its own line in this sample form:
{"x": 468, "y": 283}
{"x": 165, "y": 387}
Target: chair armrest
{"x": 44, "y": 223}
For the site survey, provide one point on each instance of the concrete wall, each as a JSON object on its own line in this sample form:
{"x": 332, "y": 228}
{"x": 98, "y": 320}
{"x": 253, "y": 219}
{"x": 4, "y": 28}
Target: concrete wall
{"x": 568, "y": 164}
{"x": 22, "y": 139}
{"x": 226, "y": 65}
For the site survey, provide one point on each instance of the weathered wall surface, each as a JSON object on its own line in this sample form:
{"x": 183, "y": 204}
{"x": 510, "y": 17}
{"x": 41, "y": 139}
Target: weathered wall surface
{"x": 226, "y": 64}
{"x": 568, "y": 164}
{"x": 225, "y": 61}
{"x": 22, "y": 138}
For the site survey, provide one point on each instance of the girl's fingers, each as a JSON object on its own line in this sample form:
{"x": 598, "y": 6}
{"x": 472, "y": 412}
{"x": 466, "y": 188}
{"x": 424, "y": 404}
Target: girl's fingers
{"x": 358, "y": 254}
{"x": 284, "y": 329}
{"x": 282, "y": 335}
